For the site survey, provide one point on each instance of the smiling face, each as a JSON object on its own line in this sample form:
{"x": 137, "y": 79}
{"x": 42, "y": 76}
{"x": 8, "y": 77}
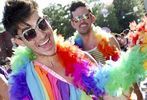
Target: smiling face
{"x": 37, "y": 34}
{"x": 82, "y": 20}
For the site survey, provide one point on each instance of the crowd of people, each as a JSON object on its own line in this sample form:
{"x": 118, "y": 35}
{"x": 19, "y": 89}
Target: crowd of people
{"x": 45, "y": 67}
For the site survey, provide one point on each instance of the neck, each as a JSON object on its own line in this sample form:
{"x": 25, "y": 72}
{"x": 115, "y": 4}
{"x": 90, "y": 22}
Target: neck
{"x": 89, "y": 40}
{"x": 49, "y": 61}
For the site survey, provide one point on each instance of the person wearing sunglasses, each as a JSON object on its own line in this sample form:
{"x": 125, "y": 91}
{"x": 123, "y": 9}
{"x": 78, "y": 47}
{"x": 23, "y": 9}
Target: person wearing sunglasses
{"x": 101, "y": 45}
{"x": 43, "y": 66}
{"x": 90, "y": 38}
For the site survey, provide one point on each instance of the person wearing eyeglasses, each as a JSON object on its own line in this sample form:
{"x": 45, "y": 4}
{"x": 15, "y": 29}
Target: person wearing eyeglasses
{"x": 44, "y": 67}
{"x": 101, "y": 45}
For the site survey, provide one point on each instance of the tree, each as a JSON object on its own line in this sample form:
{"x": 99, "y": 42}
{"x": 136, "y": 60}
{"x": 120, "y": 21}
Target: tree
{"x": 128, "y": 11}
{"x": 59, "y": 18}
{"x": 1, "y": 29}
{"x": 116, "y": 16}
{"x": 105, "y": 17}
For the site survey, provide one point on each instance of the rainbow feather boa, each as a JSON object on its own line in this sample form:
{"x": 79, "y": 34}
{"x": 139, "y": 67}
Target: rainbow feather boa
{"x": 113, "y": 79}
{"x": 103, "y": 44}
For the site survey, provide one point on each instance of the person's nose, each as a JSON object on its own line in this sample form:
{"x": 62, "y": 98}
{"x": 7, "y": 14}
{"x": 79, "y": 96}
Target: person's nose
{"x": 82, "y": 20}
{"x": 40, "y": 35}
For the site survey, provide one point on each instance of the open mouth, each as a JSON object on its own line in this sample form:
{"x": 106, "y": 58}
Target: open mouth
{"x": 83, "y": 25}
{"x": 45, "y": 42}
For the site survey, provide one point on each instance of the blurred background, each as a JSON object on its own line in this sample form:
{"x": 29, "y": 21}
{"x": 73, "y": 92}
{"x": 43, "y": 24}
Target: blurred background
{"x": 112, "y": 15}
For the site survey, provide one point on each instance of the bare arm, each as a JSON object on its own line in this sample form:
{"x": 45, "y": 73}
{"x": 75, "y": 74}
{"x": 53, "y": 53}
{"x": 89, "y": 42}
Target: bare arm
{"x": 137, "y": 92}
{"x": 3, "y": 88}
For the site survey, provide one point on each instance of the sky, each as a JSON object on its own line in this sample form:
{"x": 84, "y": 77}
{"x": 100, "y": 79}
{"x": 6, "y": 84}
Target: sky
{"x": 42, "y": 4}
{"x": 1, "y": 8}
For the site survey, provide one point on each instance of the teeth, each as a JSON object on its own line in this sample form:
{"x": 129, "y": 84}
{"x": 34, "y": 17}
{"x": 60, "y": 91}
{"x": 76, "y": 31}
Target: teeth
{"x": 44, "y": 42}
{"x": 83, "y": 25}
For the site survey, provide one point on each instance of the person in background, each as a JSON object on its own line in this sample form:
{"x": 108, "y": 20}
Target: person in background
{"x": 45, "y": 66}
{"x": 101, "y": 45}
{"x": 125, "y": 32}
{"x": 123, "y": 41}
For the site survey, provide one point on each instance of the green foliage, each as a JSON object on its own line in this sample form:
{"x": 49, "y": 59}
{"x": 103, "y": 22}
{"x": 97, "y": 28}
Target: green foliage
{"x": 1, "y": 29}
{"x": 109, "y": 21}
{"x": 120, "y": 14}
{"x": 128, "y": 11}
{"x": 59, "y": 18}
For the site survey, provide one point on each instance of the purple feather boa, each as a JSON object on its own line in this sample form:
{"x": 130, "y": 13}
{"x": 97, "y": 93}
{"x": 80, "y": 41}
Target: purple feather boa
{"x": 18, "y": 86}
{"x": 84, "y": 78}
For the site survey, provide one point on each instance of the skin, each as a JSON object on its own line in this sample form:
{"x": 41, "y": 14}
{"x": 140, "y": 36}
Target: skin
{"x": 43, "y": 45}
{"x": 3, "y": 88}
{"x": 137, "y": 91}
{"x": 44, "y": 50}
{"x": 84, "y": 27}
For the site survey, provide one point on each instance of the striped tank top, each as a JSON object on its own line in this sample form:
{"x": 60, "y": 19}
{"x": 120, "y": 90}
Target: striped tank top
{"x": 97, "y": 55}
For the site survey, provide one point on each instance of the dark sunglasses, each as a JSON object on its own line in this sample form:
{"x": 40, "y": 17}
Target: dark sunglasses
{"x": 30, "y": 33}
{"x": 81, "y": 17}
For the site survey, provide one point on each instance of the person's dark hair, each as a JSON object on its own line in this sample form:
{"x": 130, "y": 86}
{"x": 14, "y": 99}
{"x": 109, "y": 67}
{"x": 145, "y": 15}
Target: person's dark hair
{"x": 15, "y": 12}
{"x": 122, "y": 34}
{"x": 76, "y": 5}
{"x": 117, "y": 35}
{"x": 126, "y": 31}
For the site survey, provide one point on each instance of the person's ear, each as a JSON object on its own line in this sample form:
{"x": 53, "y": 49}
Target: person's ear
{"x": 93, "y": 18}
{"x": 73, "y": 24}
{"x": 18, "y": 41}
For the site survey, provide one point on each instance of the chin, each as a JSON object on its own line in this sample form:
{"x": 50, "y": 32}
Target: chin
{"x": 46, "y": 53}
{"x": 84, "y": 33}
{"x": 50, "y": 53}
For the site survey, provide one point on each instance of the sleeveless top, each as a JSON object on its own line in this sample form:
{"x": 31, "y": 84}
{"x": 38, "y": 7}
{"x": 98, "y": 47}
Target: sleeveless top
{"x": 104, "y": 50}
{"x": 97, "y": 55}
